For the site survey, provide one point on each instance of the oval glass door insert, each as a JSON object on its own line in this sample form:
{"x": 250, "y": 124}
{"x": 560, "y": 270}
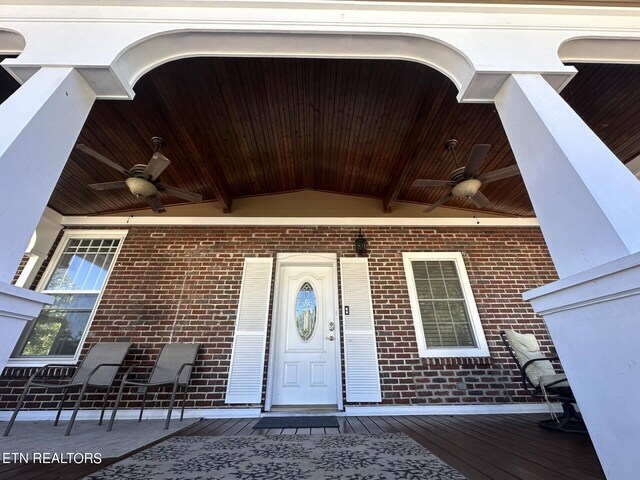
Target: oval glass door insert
{"x": 306, "y": 308}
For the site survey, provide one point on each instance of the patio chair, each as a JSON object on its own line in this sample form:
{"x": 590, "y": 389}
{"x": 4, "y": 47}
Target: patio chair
{"x": 97, "y": 370}
{"x": 172, "y": 368}
{"x": 540, "y": 380}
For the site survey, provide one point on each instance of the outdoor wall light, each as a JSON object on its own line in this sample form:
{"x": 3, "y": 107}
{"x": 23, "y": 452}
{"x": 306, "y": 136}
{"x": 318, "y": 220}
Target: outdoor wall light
{"x": 361, "y": 245}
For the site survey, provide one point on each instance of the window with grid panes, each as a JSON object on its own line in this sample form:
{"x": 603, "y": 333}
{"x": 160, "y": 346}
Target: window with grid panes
{"x": 75, "y": 280}
{"x": 445, "y": 316}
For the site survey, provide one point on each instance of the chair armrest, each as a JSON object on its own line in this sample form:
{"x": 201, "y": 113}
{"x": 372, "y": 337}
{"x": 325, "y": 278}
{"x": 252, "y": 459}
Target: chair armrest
{"x": 181, "y": 369}
{"x": 143, "y": 384}
{"x": 98, "y": 367}
{"x": 126, "y": 374}
{"x": 550, "y": 385}
{"x": 550, "y": 359}
{"x": 525, "y": 379}
{"x": 125, "y": 379}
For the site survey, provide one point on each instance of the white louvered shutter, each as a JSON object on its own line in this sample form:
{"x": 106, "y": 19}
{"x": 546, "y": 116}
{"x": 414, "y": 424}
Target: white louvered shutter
{"x": 360, "y": 352}
{"x": 247, "y": 358}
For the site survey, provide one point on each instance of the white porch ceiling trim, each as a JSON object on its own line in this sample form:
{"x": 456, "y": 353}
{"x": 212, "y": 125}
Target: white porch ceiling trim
{"x": 476, "y": 46}
{"x": 74, "y": 221}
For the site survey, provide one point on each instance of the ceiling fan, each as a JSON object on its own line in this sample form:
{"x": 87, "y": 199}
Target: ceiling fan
{"x": 465, "y": 181}
{"x": 142, "y": 180}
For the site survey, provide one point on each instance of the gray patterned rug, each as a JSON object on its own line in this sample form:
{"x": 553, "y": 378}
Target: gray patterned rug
{"x": 284, "y": 457}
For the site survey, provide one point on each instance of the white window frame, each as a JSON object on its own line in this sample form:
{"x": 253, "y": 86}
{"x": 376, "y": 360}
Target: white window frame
{"x": 68, "y": 235}
{"x": 482, "y": 349}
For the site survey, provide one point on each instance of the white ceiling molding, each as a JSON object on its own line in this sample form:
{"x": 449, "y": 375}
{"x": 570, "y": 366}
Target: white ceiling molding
{"x": 73, "y": 221}
{"x": 477, "y": 46}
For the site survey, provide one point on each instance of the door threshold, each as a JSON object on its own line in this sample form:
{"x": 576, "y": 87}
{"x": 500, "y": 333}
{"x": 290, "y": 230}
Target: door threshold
{"x": 294, "y": 410}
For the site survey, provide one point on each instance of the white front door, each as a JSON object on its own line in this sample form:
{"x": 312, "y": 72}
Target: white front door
{"x": 303, "y": 368}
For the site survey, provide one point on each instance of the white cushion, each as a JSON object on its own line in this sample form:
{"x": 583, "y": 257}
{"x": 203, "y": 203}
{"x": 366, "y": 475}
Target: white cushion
{"x": 526, "y": 348}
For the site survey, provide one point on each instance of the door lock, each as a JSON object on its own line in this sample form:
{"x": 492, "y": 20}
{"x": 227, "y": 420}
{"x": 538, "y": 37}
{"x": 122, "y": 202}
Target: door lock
{"x": 331, "y": 326}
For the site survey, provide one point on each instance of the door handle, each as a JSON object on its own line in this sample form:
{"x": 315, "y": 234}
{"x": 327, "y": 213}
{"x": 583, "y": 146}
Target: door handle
{"x": 330, "y": 338}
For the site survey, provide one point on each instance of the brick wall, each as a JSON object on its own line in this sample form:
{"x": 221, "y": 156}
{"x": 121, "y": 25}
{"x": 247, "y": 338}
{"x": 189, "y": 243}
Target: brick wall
{"x": 23, "y": 263}
{"x": 183, "y": 283}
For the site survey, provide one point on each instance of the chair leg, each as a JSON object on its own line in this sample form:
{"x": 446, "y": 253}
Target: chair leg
{"x": 144, "y": 399}
{"x": 65, "y": 392}
{"x": 17, "y": 409}
{"x": 115, "y": 407}
{"x": 570, "y": 421}
{"x": 104, "y": 405}
{"x": 75, "y": 410}
{"x": 184, "y": 399}
{"x": 173, "y": 399}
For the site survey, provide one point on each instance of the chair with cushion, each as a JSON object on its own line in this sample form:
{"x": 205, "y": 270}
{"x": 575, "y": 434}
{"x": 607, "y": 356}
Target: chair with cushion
{"x": 540, "y": 380}
{"x": 172, "y": 369}
{"x": 97, "y": 371}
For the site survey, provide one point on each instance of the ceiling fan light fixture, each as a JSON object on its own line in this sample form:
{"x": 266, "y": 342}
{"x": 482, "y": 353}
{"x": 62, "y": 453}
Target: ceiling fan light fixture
{"x": 467, "y": 188}
{"x": 141, "y": 187}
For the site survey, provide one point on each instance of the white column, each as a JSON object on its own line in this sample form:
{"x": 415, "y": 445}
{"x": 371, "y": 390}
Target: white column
{"x": 40, "y": 124}
{"x": 588, "y": 206}
{"x": 586, "y": 200}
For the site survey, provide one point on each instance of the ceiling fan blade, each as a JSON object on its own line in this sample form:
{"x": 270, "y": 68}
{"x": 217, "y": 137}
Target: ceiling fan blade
{"x": 479, "y": 200}
{"x": 444, "y": 199}
{"x": 506, "y": 172}
{"x": 422, "y": 182}
{"x": 101, "y": 158}
{"x": 108, "y": 185}
{"x": 156, "y": 166}
{"x": 179, "y": 192}
{"x": 477, "y": 155}
{"x": 155, "y": 203}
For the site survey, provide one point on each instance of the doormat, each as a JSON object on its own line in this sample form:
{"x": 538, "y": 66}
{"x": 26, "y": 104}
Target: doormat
{"x": 285, "y": 457}
{"x": 297, "y": 422}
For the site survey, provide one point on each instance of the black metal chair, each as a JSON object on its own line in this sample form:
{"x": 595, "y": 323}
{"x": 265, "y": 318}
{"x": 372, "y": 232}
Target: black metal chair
{"x": 172, "y": 368}
{"x": 97, "y": 370}
{"x": 540, "y": 380}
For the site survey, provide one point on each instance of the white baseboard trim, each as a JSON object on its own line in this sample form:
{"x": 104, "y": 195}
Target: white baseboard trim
{"x": 34, "y": 415}
{"x": 350, "y": 411}
{"x": 386, "y": 410}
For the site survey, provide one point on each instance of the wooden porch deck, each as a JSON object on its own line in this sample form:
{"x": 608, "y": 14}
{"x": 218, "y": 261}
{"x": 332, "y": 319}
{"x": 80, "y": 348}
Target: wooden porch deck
{"x": 482, "y": 447}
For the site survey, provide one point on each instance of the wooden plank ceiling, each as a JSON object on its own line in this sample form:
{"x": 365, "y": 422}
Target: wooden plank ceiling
{"x": 238, "y": 127}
